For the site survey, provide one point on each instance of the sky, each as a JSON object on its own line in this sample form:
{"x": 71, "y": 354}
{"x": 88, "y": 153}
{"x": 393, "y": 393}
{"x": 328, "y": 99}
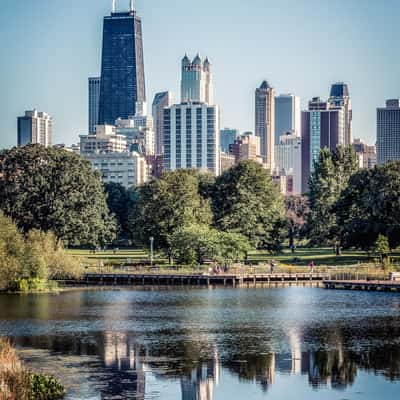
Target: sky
{"x": 50, "y": 47}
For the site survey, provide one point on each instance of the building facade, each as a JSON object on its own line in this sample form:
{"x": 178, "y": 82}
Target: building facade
{"x": 287, "y": 115}
{"x": 388, "y": 132}
{"x": 366, "y": 154}
{"x": 288, "y": 160}
{"x": 105, "y": 140}
{"x": 94, "y": 97}
{"x": 321, "y": 126}
{"x": 122, "y": 66}
{"x": 161, "y": 101}
{"x": 34, "y": 127}
{"x": 247, "y": 147}
{"x": 127, "y": 168}
{"x": 340, "y": 97}
{"x": 191, "y": 137}
{"x": 196, "y": 84}
{"x": 265, "y": 122}
{"x": 227, "y": 138}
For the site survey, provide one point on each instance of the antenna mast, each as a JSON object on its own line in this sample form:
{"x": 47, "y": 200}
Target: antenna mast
{"x": 113, "y": 8}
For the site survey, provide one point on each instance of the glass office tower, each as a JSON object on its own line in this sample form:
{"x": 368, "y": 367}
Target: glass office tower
{"x": 122, "y": 67}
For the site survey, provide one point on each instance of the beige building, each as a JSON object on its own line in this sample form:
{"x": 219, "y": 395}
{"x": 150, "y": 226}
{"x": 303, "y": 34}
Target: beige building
{"x": 247, "y": 147}
{"x": 265, "y": 122}
{"x": 366, "y": 154}
{"x": 128, "y": 169}
{"x": 105, "y": 140}
{"x": 35, "y": 127}
{"x": 227, "y": 161}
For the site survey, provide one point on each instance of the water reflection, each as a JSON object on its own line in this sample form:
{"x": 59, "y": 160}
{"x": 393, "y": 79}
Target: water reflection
{"x": 124, "y": 364}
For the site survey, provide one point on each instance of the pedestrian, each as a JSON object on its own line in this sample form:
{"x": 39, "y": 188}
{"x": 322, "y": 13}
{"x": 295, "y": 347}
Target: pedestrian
{"x": 272, "y": 266}
{"x": 312, "y": 266}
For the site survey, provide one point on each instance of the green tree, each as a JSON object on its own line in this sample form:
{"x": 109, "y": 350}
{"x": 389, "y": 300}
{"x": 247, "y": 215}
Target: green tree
{"x": 370, "y": 206}
{"x": 246, "y": 201}
{"x": 12, "y": 249}
{"x": 167, "y": 204}
{"x": 120, "y": 200}
{"x": 329, "y": 178}
{"x": 54, "y": 190}
{"x": 382, "y": 249}
{"x": 296, "y": 214}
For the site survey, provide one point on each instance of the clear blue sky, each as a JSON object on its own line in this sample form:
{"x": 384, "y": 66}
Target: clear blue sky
{"x": 50, "y": 47}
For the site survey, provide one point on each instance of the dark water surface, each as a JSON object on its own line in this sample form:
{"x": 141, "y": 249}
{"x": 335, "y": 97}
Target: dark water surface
{"x": 212, "y": 344}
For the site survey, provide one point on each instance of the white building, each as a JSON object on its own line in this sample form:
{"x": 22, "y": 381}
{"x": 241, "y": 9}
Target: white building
{"x": 105, "y": 140}
{"x": 288, "y": 159}
{"x": 35, "y": 127}
{"x": 196, "y": 84}
{"x": 138, "y": 129}
{"x": 191, "y": 137}
{"x": 93, "y": 106}
{"x": 128, "y": 169}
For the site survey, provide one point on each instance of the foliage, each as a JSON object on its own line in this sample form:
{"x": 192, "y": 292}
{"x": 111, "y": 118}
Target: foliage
{"x": 193, "y": 245}
{"x": 330, "y": 177}
{"x": 120, "y": 201}
{"x": 45, "y": 387}
{"x": 382, "y": 248}
{"x": 167, "y": 204}
{"x": 26, "y": 263}
{"x": 370, "y": 206}
{"x": 246, "y": 201}
{"x": 53, "y": 190}
{"x": 296, "y": 215}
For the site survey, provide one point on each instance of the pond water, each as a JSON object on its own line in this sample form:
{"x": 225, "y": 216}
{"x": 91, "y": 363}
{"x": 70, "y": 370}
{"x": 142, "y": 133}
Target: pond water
{"x": 211, "y": 344}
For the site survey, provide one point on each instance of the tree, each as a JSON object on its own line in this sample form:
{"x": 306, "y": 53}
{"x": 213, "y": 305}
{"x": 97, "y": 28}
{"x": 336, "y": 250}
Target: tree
{"x": 120, "y": 201}
{"x": 194, "y": 244}
{"x": 246, "y": 201}
{"x": 330, "y": 176}
{"x": 370, "y": 206}
{"x": 296, "y": 214}
{"x": 382, "y": 249}
{"x": 54, "y": 190}
{"x": 167, "y": 204}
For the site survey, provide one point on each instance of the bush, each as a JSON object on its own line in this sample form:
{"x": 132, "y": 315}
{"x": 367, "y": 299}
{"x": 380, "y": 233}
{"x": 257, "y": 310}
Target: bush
{"x": 45, "y": 387}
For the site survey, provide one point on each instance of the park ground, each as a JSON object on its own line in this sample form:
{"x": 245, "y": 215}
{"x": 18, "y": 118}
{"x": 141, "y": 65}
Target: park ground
{"x": 258, "y": 261}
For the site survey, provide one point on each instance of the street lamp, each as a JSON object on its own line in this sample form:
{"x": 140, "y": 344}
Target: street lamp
{"x": 151, "y": 250}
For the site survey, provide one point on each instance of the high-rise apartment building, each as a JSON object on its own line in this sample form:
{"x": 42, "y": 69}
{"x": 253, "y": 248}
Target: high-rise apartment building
{"x": 287, "y": 115}
{"x": 388, "y": 132}
{"x": 288, "y": 159}
{"x": 322, "y": 126}
{"x": 161, "y": 101}
{"x": 227, "y": 138}
{"x": 94, "y": 97}
{"x": 265, "y": 122}
{"x": 105, "y": 140}
{"x": 191, "y": 137}
{"x": 340, "y": 97}
{"x": 122, "y": 68}
{"x": 34, "y": 127}
{"x": 196, "y": 84}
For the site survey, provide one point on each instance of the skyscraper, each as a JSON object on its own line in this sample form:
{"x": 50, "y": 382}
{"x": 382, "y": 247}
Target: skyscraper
{"x": 161, "y": 101}
{"x": 191, "y": 137}
{"x": 340, "y": 97}
{"x": 196, "y": 84}
{"x": 94, "y": 97}
{"x": 321, "y": 126}
{"x": 287, "y": 115}
{"x": 122, "y": 68}
{"x": 35, "y": 127}
{"x": 228, "y": 137}
{"x": 265, "y": 122}
{"x": 388, "y": 132}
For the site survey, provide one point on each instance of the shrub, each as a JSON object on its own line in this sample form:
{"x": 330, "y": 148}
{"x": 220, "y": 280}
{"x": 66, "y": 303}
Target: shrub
{"x": 45, "y": 387}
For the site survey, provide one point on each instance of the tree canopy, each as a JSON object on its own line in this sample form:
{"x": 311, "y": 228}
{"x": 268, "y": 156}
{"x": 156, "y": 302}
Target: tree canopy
{"x": 246, "y": 201}
{"x": 54, "y": 190}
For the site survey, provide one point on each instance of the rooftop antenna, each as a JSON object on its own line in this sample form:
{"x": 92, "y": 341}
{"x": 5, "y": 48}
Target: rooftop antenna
{"x": 113, "y": 6}
{"x": 132, "y": 5}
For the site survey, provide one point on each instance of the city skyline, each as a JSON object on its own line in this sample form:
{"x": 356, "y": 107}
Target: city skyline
{"x": 366, "y": 45}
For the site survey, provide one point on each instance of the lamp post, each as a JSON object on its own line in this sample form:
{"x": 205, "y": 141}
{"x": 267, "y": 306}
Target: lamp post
{"x": 151, "y": 250}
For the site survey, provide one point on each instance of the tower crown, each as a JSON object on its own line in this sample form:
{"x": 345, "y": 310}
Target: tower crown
{"x": 114, "y": 6}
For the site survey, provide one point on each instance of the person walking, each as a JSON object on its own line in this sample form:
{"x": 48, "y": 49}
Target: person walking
{"x": 312, "y": 266}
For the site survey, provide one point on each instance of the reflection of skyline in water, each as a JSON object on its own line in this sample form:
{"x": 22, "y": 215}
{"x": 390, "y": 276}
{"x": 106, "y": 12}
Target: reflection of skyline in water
{"x": 198, "y": 343}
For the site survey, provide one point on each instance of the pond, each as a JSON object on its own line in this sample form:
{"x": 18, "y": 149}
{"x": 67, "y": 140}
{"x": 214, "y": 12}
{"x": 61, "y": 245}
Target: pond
{"x": 211, "y": 344}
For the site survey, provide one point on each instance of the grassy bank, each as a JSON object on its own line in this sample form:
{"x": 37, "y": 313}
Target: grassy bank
{"x": 18, "y": 383}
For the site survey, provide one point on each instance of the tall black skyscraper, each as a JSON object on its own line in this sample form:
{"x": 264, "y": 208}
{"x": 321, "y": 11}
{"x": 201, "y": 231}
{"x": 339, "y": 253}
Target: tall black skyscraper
{"x": 122, "y": 67}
